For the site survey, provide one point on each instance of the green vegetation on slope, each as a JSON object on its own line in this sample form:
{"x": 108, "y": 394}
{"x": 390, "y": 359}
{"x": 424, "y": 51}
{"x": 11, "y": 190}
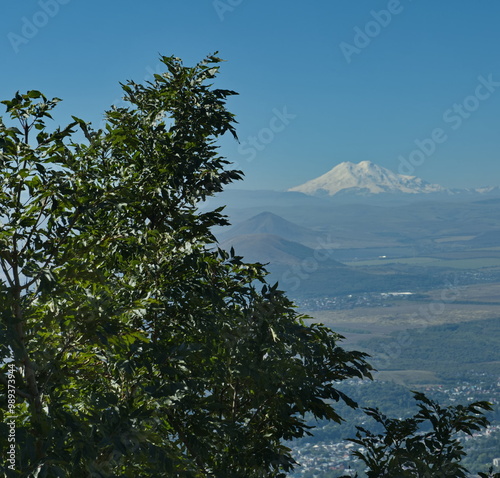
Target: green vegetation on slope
{"x": 448, "y": 349}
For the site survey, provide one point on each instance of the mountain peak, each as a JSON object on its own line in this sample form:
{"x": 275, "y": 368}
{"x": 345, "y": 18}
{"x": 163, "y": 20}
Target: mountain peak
{"x": 365, "y": 178}
{"x": 269, "y": 223}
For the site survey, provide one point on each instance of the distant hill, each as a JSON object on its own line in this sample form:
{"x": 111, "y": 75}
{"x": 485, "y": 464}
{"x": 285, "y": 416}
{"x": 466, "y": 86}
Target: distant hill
{"x": 304, "y": 272}
{"x": 272, "y": 224}
{"x": 373, "y": 223}
{"x": 276, "y": 250}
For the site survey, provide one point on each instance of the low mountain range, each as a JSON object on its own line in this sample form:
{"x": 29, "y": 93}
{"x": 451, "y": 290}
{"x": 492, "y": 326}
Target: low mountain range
{"x": 302, "y": 270}
{"x": 268, "y": 224}
{"x": 363, "y": 228}
{"x": 275, "y": 250}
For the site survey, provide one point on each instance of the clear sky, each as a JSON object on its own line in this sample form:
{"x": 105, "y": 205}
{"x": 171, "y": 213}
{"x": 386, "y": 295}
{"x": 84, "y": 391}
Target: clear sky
{"x": 412, "y": 85}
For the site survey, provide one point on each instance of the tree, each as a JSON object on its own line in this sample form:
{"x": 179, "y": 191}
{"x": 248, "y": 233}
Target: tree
{"x": 423, "y": 446}
{"x": 133, "y": 345}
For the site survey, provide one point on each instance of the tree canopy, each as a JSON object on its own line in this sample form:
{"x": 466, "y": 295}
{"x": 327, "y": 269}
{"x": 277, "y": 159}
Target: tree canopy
{"x": 425, "y": 445}
{"x": 132, "y": 344}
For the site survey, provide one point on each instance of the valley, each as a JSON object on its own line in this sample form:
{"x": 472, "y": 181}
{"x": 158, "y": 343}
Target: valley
{"x": 414, "y": 282}
{"x": 389, "y": 331}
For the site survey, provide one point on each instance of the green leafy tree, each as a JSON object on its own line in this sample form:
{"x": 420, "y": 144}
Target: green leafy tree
{"x": 425, "y": 445}
{"x": 140, "y": 348}
{"x": 489, "y": 474}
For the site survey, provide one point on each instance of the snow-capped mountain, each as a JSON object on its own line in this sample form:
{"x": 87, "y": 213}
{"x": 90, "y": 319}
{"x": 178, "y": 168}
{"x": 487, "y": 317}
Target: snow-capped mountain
{"x": 365, "y": 178}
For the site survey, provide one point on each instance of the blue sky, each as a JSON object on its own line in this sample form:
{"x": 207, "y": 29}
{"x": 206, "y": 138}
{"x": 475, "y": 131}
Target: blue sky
{"x": 412, "y": 85}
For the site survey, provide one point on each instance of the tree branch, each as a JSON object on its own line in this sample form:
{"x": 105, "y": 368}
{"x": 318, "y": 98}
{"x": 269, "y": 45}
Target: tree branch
{"x": 19, "y": 392}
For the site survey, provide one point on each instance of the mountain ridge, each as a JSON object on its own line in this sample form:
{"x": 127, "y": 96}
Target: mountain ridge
{"x": 272, "y": 224}
{"x": 365, "y": 178}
